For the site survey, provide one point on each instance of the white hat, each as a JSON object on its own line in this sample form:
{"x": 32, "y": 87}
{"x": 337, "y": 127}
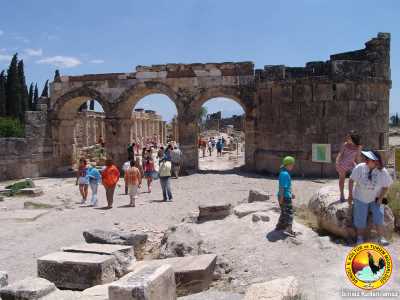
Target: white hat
{"x": 370, "y": 155}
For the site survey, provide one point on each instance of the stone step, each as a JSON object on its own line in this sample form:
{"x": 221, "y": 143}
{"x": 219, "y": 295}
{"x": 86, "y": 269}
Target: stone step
{"x": 214, "y": 212}
{"x": 193, "y": 274}
{"x": 77, "y": 271}
{"x": 27, "y": 289}
{"x": 148, "y": 283}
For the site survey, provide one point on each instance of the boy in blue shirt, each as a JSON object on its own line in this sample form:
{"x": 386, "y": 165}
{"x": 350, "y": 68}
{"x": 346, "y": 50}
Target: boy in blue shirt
{"x": 285, "y": 197}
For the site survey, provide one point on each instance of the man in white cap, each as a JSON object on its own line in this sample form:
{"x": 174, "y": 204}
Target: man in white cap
{"x": 368, "y": 185}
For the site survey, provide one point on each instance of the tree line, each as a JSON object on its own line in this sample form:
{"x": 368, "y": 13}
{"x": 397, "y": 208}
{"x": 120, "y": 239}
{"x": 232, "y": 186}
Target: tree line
{"x": 395, "y": 120}
{"x": 15, "y": 97}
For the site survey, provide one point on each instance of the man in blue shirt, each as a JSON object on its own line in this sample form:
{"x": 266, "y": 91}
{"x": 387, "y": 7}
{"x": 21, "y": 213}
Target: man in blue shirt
{"x": 285, "y": 197}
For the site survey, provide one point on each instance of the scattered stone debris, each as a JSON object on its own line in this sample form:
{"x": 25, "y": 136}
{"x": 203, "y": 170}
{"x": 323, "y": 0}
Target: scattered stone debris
{"x": 214, "y": 212}
{"x": 260, "y": 216}
{"x": 136, "y": 239}
{"x": 181, "y": 240}
{"x": 149, "y": 283}
{"x": 278, "y": 289}
{"x": 3, "y": 279}
{"x": 258, "y": 196}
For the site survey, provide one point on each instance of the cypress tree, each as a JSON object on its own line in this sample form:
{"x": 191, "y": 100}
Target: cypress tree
{"x": 23, "y": 90}
{"x": 2, "y": 94}
{"x": 57, "y": 76}
{"x": 13, "y": 90}
{"x": 30, "y": 96}
{"x": 35, "y": 96}
{"x": 45, "y": 92}
{"x": 91, "y": 105}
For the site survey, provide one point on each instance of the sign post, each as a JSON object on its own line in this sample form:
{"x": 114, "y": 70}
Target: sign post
{"x": 321, "y": 153}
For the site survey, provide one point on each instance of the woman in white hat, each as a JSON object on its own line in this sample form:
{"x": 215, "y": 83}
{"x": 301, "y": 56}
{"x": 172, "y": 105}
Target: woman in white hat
{"x": 368, "y": 185}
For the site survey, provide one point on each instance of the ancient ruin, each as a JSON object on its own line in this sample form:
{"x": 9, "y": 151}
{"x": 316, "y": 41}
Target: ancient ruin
{"x": 287, "y": 109}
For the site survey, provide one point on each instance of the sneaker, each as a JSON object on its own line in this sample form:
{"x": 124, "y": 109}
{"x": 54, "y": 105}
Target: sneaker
{"x": 383, "y": 242}
{"x": 360, "y": 240}
{"x": 83, "y": 201}
{"x": 342, "y": 199}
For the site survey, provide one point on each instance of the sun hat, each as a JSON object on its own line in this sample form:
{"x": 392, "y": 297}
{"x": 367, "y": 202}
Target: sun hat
{"x": 370, "y": 155}
{"x": 288, "y": 160}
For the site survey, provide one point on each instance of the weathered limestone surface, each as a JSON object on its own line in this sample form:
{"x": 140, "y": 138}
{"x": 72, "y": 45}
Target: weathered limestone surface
{"x": 77, "y": 271}
{"x": 213, "y": 295}
{"x": 99, "y": 236}
{"x": 124, "y": 255}
{"x": 278, "y": 289}
{"x": 335, "y": 217}
{"x": 3, "y": 279}
{"x": 27, "y": 289}
{"x": 193, "y": 274}
{"x": 260, "y": 216}
{"x": 22, "y": 215}
{"x": 245, "y": 209}
{"x": 287, "y": 110}
{"x": 150, "y": 283}
{"x": 258, "y": 196}
{"x": 214, "y": 212}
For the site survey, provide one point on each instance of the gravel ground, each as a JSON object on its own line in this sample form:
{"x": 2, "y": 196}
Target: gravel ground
{"x": 254, "y": 257}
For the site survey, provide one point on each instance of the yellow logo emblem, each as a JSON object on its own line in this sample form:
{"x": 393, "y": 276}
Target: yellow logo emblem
{"x": 369, "y": 266}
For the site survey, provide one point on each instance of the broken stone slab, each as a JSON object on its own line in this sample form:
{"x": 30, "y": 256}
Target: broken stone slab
{"x": 214, "y": 212}
{"x": 213, "y": 295}
{"x": 150, "y": 283}
{"x": 136, "y": 239}
{"x": 124, "y": 255}
{"x": 258, "y": 196}
{"x": 22, "y": 215}
{"x": 28, "y": 289}
{"x": 278, "y": 289}
{"x": 31, "y": 192}
{"x": 260, "y": 216}
{"x": 181, "y": 240}
{"x": 77, "y": 271}
{"x": 98, "y": 292}
{"x": 193, "y": 274}
{"x": 245, "y": 209}
{"x": 3, "y": 279}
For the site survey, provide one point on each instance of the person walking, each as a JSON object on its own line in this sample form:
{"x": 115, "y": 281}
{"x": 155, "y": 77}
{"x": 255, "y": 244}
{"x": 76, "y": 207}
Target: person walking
{"x": 94, "y": 181}
{"x": 176, "y": 159}
{"x": 133, "y": 179}
{"x": 82, "y": 180}
{"x": 347, "y": 159}
{"x": 285, "y": 197}
{"x": 368, "y": 185}
{"x": 165, "y": 179}
{"x": 210, "y": 147}
{"x": 130, "y": 149}
{"x": 219, "y": 147}
{"x": 149, "y": 170}
{"x": 110, "y": 177}
{"x": 125, "y": 167}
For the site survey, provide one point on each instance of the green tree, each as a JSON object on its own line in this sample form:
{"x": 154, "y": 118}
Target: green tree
{"x": 3, "y": 94}
{"x": 23, "y": 90}
{"x": 30, "y": 96}
{"x": 45, "y": 92}
{"x": 35, "y": 96}
{"x": 13, "y": 90}
{"x": 57, "y": 76}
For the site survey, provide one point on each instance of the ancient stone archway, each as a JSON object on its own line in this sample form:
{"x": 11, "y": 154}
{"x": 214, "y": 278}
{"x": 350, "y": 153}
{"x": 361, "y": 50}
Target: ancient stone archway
{"x": 287, "y": 108}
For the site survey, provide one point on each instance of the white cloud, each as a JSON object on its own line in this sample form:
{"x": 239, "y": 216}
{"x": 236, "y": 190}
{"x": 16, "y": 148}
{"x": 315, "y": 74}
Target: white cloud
{"x": 1, "y": 32}
{"x": 5, "y": 57}
{"x": 61, "y": 61}
{"x": 96, "y": 61}
{"x": 33, "y": 52}
{"x": 22, "y": 39}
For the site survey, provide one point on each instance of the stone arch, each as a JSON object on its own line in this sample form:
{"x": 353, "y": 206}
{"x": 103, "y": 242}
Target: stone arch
{"x": 128, "y": 99}
{"x": 68, "y": 104}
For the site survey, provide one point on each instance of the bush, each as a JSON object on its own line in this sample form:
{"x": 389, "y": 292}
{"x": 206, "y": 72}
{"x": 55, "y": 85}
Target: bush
{"x": 11, "y": 128}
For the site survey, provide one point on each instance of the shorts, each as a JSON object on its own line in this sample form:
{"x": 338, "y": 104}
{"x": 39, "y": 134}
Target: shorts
{"x": 361, "y": 210}
{"x": 83, "y": 181}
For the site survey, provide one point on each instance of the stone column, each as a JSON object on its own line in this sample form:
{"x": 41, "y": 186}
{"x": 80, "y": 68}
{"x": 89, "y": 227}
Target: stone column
{"x": 65, "y": 141}
{"x": 117, "y": 139}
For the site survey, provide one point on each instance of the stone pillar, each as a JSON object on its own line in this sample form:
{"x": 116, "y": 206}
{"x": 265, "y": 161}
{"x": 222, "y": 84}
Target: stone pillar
{"x": 117, "y": 139}
{"x": 188, "y": 142}
{"x": 65, "y": 143}
{"x": 85, "y": 131}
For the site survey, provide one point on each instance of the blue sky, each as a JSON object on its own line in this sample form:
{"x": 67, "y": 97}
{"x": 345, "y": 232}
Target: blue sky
{"x": 99, "y": 36}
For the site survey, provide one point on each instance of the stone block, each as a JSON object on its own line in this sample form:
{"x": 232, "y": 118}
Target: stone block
{"x": 214, "y": 212}
{"x": 27, "y": 289}
{"x": 3, "y": 279}
{"x": 258, "y": 196}
{"x": 245, "y": 209}
{"x": 77, "y": 271}
{"x": 150, "y": 283}
{"x": 99, "y": 236}
{"x": 193, "y": 274}
{"x": 278, "y": 289}
{"x": 260, "y": 216}
{"x": 124, "y": 255}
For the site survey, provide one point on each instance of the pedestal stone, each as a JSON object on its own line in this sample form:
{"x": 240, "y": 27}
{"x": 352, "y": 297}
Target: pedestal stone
{"x": 77, "y": 271}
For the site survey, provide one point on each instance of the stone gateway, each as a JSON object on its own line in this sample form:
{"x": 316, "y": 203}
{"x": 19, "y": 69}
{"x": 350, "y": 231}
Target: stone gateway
{"x": 287, "y": 109}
